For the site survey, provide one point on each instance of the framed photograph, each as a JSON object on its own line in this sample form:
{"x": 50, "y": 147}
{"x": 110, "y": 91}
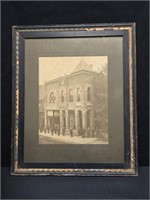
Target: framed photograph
{"x": 74, "y": 100}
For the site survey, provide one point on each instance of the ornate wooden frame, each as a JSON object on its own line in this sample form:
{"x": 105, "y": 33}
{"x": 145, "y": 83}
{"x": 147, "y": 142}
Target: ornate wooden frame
{"x": 23, "y": 32}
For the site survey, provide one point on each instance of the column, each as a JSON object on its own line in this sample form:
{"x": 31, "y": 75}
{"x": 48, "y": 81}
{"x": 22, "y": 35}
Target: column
{"x": 76, "y": 119}
{"x": 61, "y": 121}
{"x": 45, "y": 114}
{"x": 66, "y": 115}
{"x": 84, "y": 119}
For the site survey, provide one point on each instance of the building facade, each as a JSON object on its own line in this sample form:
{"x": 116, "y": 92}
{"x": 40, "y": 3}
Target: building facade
{"x": 69, "y": 100}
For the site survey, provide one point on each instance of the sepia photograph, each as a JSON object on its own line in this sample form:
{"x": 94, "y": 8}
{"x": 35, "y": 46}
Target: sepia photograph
{"x": 73, "y": 100}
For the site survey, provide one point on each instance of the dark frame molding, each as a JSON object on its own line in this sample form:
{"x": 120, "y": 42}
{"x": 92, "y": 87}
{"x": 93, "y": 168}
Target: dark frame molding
{"x": 20, "y": 33}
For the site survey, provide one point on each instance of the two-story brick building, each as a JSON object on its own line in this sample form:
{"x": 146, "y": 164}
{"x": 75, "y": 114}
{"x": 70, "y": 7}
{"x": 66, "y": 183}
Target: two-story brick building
{"x": 69, "y": 100}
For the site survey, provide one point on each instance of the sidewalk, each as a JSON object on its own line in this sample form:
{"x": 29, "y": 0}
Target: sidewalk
{"x": 73, "y": 140}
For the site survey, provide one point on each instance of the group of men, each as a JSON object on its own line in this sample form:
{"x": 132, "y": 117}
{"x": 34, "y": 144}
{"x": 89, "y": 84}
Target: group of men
{"x": 89, "y": 132}
{"x": 82, "y": 132}
{"x": 52, "y": 129}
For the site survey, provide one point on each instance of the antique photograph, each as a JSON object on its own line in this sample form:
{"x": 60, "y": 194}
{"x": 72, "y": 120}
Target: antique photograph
{"x": 74, "y": 105}
{"x": 73, "y": 100}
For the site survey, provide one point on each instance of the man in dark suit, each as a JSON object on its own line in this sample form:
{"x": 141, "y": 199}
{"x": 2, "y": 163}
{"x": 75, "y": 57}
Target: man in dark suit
{"x": 71, "y": 131}
{"x": 83, "y": 133}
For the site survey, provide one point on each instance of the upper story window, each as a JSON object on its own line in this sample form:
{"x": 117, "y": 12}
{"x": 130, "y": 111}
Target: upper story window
{"x": 78, "y": 94}
{"x": 88, "y": 94}
{"x": 70, "y": 95}
{"x": 62, "y": 96}
{"x": 52, "y": 98}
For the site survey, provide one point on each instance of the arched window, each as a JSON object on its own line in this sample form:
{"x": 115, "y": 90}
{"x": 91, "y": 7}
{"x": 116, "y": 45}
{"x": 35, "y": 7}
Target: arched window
{"x": 88, "y": 94}
{"x": 52, "y": 98}
{"x": 62, "y": 96}
{"x": 70, "y": 95}
{"x": 78, "y": 94}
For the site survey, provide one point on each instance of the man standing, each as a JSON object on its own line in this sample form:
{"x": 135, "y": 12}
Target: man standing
{"x": 48, "y": 128}
{"x": 58, "y": 129}
{"x": 79, "y": 131}
{"x": 63, "y": 131}
{"x": 88, "y": 132}
{"x": 52, "y": 130}
{"x": 71, "y": 131}
{"x": 83, "y": 133}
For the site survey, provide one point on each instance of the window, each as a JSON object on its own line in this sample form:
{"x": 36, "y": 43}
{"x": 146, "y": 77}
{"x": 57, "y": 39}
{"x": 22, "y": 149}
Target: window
{"x": 78, "y": 94}
{"x": 62, "y": 96}
{"x": 70, "y": 95}
{"x": 88, "y": 94}
{"x": 52, "y": 98}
